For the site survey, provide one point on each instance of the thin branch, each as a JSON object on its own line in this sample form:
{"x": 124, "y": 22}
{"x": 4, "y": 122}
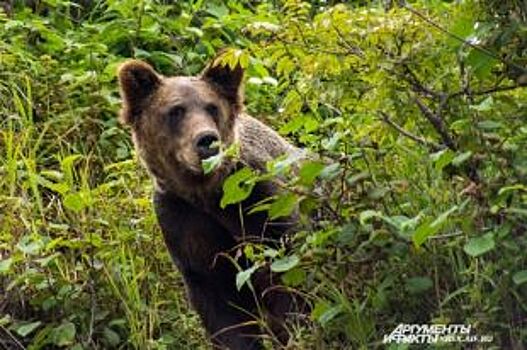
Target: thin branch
{"x": 355, "y": 51}
{"x": 437, "y": 123}
{"x": 487, "y": 91}
{"x": 432, "y": 145}
{"x": 416, "y": 83}
{"x": 460, "y": 39}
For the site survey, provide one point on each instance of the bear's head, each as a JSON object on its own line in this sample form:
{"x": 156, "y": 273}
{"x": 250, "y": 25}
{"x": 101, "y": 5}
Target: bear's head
{"x": 177, "y": 122}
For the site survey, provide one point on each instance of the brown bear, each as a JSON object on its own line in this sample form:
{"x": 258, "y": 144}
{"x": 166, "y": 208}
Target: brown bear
{"x": 176, "y": 122}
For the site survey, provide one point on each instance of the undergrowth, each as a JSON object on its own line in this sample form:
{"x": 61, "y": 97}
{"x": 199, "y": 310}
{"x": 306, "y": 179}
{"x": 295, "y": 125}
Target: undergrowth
{"x": 415, "y": 214}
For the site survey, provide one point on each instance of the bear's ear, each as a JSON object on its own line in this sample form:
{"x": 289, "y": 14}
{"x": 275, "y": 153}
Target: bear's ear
{"x": 138, "y": 81}
{"x": 227, "y": 80}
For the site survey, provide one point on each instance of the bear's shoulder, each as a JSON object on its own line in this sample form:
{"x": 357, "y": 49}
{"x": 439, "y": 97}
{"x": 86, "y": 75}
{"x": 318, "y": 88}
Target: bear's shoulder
{"x": 259, "y": 143}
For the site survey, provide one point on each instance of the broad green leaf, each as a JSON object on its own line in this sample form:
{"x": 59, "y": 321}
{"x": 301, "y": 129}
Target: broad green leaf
{"x": 196, "y": 31}
{"x": 243, "y": 276}
{"x": 352, "y": 180}
{"x": 218, "y": 10}
{"x": 211, "y": 163}
{"x": 254, "y": 81}
{"x": 442, "y": 158}
{"x": 378, "y": 192}
{"x": 479, "y": 245}
{"x": 489, "y": 125}
{"x": 270, "y": 81}
{"x": 294, "y": 277}
{"x": 429, "y": 227}
{"x": 29, "y": 246}
{"x": 270, "y": 253}
{"x": 520, "y": 277}
{"x": 285, "y": 263}
{"x": 367, "y": 215}
{"x": 293, "y": 125}
{"x": 418, "y": 285}
{"x": 64, "y": 334}
{"x": 5, "y": 265}
{"x": 111, "y": 336}
{"x": 237, "y": 187}
{"x": 320, "y": 307}
{"x": 76, "y": 201}
{"x": 59, "y": 187}
{"x": 43, "y": 262}
{"x": 461, "y": 158}
{"x": 481, "y": 63}
{"x": 330, "y": 314}
{"x": 485, "y": 105}
{"x": 283, "y": 206}
{"x": 330, "y": 172}
{"x": 309, "y": 172}
{"x": 463, "y": 26}
{"x": 26, "y": 329}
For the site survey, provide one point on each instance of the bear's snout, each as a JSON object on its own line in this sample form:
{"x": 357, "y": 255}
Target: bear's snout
{"x": 206, "y": 144}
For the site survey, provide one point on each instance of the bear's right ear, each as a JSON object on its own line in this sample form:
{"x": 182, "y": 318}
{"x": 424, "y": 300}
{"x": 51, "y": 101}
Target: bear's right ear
{"x": 138, "y": 81}
{"x": 227, "y": 80}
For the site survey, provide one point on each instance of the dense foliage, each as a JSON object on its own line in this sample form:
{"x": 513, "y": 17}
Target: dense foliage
{"x": 413, "y": 205}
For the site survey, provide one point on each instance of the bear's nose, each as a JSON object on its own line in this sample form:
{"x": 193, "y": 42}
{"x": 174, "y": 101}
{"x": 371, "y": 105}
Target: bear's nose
{"x": 205, "y": 145}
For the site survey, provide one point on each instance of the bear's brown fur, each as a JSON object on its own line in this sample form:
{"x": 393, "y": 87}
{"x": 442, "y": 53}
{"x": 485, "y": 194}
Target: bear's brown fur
{"x": 175, "y": 124}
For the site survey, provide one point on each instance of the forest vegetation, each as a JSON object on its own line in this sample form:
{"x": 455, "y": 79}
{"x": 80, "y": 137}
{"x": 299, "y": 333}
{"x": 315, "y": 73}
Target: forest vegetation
{"x": 414, "y": 210}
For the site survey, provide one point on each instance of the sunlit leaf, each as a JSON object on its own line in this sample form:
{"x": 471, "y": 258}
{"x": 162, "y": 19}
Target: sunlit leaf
{"x": 285, "y": 263}
{"x": 283, "y": 206}
{"x": 479, "y": 245}
{"x": 237, "y": 187}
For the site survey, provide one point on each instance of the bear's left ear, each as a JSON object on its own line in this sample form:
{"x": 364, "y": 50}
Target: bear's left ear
{"x": 227, "y": 80}
{"x": 138, "y": 81}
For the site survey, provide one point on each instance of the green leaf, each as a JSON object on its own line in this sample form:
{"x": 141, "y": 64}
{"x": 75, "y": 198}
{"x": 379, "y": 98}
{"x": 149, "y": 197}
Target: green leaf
{"x": 442, "y": 158}
{"x": 76, "y": 201}
{"x": 64, "y": 334}
{"x": 111, "y": 336}
{"x": 352, "y": 180}
{"x": 517, "y": 187}
{"x": 367, "y": 215}
{"x": 211, "y": 163}
{"x": 481, "y": 63}
{"x": 485, "y": 105}
{"x": 5, "y": 265}
{"x": 27, "y": 328}
{"x": 320, "y": 307}
{"x": 30, "y": 247}
{"x": 377, "y": 193}
{"x": 309, "y": 172}
{"x": 329, "y": 314}
{"x": 418, "y": 285}
{"x": 43, "y": 262}
{"x": 285, "y": 263}
{"x": 489, "y": 125}
{"x": 461, "y": 158}
{"x": 330, "y": 172}
{"x": 243, "y": 276}
{"x": 429, "y": 227}
{"x": 196, "y": 31}
{"x": 270, "y": 81}
{"x": 479, "y": 245}
{"x": 462, "y": 26}
{"x": 520, "y": 277}
{"x": 294, "y": 277}
{"x": 237, "y": 187}
{"x": 283, "y": 206}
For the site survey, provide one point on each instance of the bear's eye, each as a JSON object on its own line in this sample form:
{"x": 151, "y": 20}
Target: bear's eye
{"x": 177, "y": 112}
{"x": 212, "y": 110}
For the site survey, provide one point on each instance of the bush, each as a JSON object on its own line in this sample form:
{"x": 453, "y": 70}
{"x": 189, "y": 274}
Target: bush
{"x": 415, "y": 211}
